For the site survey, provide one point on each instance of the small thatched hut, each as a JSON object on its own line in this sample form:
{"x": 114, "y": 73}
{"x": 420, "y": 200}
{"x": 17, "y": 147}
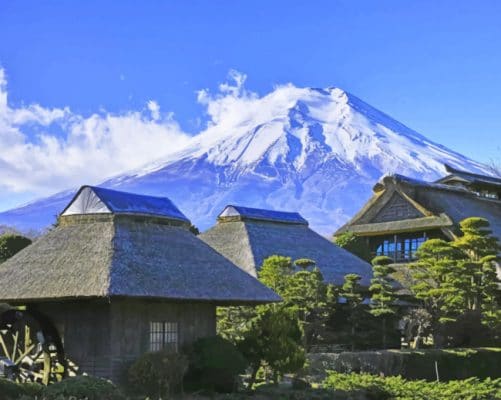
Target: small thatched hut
{"x": 247, "y": 236}
{"x": 120, "y": 275}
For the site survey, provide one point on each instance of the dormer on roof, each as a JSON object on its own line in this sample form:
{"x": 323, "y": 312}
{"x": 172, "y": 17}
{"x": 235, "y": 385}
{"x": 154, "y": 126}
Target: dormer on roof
{"x": 482, "y": 185}
{"x": 239, "y": 213}
{"x": 98, "y": 200}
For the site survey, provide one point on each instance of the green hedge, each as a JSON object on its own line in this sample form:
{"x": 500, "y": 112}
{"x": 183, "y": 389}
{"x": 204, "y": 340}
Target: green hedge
{"x": 13, "y": 391}
{"x": 397, "y": 388}
{"x": 81, "y": 387}
{"x": 452, "y": 364}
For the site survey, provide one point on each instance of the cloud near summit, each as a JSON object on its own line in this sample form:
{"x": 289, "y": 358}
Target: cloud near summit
{"x": 45, "y": 150}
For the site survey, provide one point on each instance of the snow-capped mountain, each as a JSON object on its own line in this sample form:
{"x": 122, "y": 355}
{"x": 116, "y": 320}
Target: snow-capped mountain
{"x": 316, "y": 151}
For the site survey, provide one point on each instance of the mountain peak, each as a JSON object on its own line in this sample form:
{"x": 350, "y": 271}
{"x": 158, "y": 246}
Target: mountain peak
{"x": 315, "y": 151}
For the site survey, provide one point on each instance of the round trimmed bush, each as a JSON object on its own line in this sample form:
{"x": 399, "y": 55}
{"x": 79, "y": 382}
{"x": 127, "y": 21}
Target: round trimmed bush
{"x": 215, "y": 364}
{"x": 157, "y": 373}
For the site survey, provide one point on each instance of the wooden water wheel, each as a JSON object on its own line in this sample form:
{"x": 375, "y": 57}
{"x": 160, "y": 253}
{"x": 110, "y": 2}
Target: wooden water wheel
{"x": 30, "y": 348}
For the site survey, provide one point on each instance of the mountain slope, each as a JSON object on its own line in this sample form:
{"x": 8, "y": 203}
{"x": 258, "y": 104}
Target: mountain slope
{"x": 316, "y": 151}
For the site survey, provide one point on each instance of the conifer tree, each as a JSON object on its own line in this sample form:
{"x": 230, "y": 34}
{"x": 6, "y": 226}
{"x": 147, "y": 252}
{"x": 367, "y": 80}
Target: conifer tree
{"x": 438, "y": 282}
{"x": 480, "y": 251}
{"x": 352, "y": 293}
{"x": 312, "y": 299}
{"x": 382, "y": 292}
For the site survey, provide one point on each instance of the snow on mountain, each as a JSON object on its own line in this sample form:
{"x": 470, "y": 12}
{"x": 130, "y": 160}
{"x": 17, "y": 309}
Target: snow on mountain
{"x": 316, "y": 151}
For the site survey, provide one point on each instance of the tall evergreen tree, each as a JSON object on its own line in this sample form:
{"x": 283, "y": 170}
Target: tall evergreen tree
{"x": 351, "y": 291}
{"x": 438, "y": 282}
{"x": 480, "y": 251}
{"x": 312, "y": 299}
{"x": 382, "y": 293}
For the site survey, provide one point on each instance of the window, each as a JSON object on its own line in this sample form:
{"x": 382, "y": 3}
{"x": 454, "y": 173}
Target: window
{"x": 399, "y": 248}
{"x": 163, "y": 335}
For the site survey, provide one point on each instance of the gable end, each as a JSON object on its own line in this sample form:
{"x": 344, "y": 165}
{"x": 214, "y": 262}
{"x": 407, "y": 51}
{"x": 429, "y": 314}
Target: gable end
{"x": 397, "y": 208}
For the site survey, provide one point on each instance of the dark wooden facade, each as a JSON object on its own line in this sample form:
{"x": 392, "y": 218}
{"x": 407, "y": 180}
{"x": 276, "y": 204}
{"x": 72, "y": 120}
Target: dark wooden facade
{"x": 101, "y": 337}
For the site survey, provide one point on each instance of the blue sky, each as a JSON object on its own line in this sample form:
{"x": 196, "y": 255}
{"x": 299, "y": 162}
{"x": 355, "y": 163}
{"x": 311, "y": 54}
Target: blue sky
{"x": 433, "y": 65}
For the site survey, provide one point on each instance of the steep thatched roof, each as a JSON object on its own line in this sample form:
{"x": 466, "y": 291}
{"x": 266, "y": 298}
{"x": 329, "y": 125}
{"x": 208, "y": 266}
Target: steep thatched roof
{"x": 469, "y": 177}
{"x": 247, "y": 240}
{"x": 440, "y": 205}
{"x": 126, "y": 254}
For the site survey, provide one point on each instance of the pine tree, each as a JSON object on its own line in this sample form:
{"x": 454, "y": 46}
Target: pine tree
{"x": 383, "y": 295}
{"x": 480, "y": 251}
{"x": 312, "y": 299}
{"x": 438, "y": 282}
{"x": 352, "y": 293}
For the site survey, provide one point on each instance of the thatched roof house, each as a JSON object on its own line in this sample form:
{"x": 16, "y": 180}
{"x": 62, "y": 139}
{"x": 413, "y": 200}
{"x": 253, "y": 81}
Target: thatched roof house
{"x": 404, "y": 212}
{"x": 122, "y": 274}
{"x": 247, "y": 236}
{"x": 111, "y": 243}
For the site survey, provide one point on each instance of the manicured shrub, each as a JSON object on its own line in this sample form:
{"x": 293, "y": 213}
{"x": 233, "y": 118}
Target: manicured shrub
{"x": 10, "y": 390}
{"x": 158, "y": 374}
{"x": 395, "y": 387}
{"x": 82, "y": 387}
{"x": 215, "y": 364}
{"x": 452, "y": 364}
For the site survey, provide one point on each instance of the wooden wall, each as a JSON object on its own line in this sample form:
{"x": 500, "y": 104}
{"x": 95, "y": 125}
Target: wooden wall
{"x": 104, "y": 337}
{"x": 84, "y": 327}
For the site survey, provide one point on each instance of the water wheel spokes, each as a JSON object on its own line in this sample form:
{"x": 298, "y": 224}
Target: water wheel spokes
{"x": 28, "y": 352}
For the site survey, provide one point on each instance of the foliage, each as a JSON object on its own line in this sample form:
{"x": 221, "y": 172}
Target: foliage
{"x": 275, "y": 272}
{"x": 82, "y": 387}
{"x": 10, "y": 390}
{"x": 194, "y": 230}
{"x": 275, "y": 335}
{"x": 480, "y": 249}
{"x": 312, "y": 300}
{"x": 11, "y": 244}
{"x": 411, "y": 364}
{"x": 158, "y": 373}
{"x": 354, "y": 244}
{"x": 417, "y": 326}
{"x": 382, "y": 293}
{"x": 233, "y": 322}
{"x": 437, "y": 276}
{"x": 215, "y": 364}
{"x": 273, "y": 340}
{"x": 351, "y": 291}
{"x": 457, "y": 278}
{"x": 397, "y": 388}
{"x": 304, "y": 263}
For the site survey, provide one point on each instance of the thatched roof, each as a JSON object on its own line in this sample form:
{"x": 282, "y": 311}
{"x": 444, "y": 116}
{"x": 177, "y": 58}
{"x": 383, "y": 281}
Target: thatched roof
{"x": 469, "y": 178}
{"x": 440, "y": 206}
{"x": 247, "y": 240}
{"x": 126, "y": 254}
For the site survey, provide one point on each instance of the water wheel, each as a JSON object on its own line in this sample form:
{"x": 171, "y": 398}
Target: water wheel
{"x": 30, "y": 348}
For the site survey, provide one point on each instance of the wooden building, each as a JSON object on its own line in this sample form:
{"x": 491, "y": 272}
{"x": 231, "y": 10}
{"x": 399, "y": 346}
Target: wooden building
{"x": 247, "y": 236}
{"x": 120, "y": 275}
{"x": 405, "y": 212}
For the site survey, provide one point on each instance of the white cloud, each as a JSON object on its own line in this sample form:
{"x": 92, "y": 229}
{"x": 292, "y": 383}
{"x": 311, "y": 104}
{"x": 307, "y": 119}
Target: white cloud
{"x": 154, "y": 108}
{"x": 34, "y": 159}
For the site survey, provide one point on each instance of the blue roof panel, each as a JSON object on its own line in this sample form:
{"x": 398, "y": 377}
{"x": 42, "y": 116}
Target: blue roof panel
{"x": 263, "y": 214}
{"x": 132, "y": 203}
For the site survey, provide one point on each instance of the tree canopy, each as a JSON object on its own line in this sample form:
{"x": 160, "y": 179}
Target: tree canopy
{"x": 10, "y": 244}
